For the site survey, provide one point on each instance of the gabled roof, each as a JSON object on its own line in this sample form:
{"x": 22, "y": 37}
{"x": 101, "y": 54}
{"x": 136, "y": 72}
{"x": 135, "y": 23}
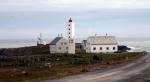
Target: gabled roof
{"x": 54, "y": 42}
{"x": 102, "y": 40}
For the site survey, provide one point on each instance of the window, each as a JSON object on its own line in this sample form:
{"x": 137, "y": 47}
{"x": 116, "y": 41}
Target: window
{"x": 100, "y": 48}
{"x": 69, "y": 36}
{"x": 107, "y": 48}
{"x": 69, "y": 29}
{"x": 114, "y": 48}
{"x": 67, "y": 48}
{"x": 94, "y": 48}
{"x": 69, "y": 32}
{"x": 65, "y": 43}
{"x": 61, "y": 43}
{"x": 71, "y": 41}
{"x": 59, "y": 48}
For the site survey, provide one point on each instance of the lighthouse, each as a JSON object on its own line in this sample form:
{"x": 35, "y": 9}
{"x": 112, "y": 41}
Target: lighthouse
{"x": 62, "y": 44}
{"x": 71, "y": 36}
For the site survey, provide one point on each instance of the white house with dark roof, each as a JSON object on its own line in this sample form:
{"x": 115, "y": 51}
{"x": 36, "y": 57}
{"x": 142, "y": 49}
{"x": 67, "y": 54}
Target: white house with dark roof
{"x": 59, "y": 45}
{"x": 98, "y": 44}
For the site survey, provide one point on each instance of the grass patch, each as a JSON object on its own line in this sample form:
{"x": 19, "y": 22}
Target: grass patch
{"x": 62, "y": 65}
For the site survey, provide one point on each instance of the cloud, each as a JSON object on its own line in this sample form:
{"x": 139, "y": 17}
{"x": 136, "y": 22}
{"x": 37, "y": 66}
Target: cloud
{"x": 71, "y": 5}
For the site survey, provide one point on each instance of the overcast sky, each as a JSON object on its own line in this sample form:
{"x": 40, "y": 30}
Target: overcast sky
{"x": 28, "y": 18}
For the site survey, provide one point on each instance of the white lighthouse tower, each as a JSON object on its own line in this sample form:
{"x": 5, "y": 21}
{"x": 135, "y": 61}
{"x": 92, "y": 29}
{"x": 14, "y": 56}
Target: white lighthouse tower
{"x": 71, "y": 37}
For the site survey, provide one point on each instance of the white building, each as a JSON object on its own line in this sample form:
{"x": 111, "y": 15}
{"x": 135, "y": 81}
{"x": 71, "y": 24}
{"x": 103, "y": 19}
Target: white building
{"x": 64, "y": 45}
{"x": 71, "y": 37}
{"x": 98, "y": 44}
{"x": 59, "y": 45}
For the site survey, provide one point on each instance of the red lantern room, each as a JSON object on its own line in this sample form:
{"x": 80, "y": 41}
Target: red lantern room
{"x": 70, "y": 20}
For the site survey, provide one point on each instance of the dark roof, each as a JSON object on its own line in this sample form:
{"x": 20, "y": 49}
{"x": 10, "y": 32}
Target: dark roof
{"x": 84, "y": 42}
{"x": 78, "y": 44}
{"x": 53, "y": 42}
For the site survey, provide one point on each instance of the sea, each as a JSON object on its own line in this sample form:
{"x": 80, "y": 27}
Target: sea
{"x": 136, "y": 44}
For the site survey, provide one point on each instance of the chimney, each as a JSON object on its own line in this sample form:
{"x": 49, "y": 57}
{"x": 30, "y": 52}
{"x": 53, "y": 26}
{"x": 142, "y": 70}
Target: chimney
{"x": 106, "y": 35}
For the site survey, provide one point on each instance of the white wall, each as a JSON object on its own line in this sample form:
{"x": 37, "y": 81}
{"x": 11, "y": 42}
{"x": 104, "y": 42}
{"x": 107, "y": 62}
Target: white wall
{"x": 52, "y": 48}
{"x": 72, "y": 30}
{"x": 89, "y": 48}
{"x": 71, "y": 46}
{"x": 71, "y": 43}
{"x": 63, "y": 44}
